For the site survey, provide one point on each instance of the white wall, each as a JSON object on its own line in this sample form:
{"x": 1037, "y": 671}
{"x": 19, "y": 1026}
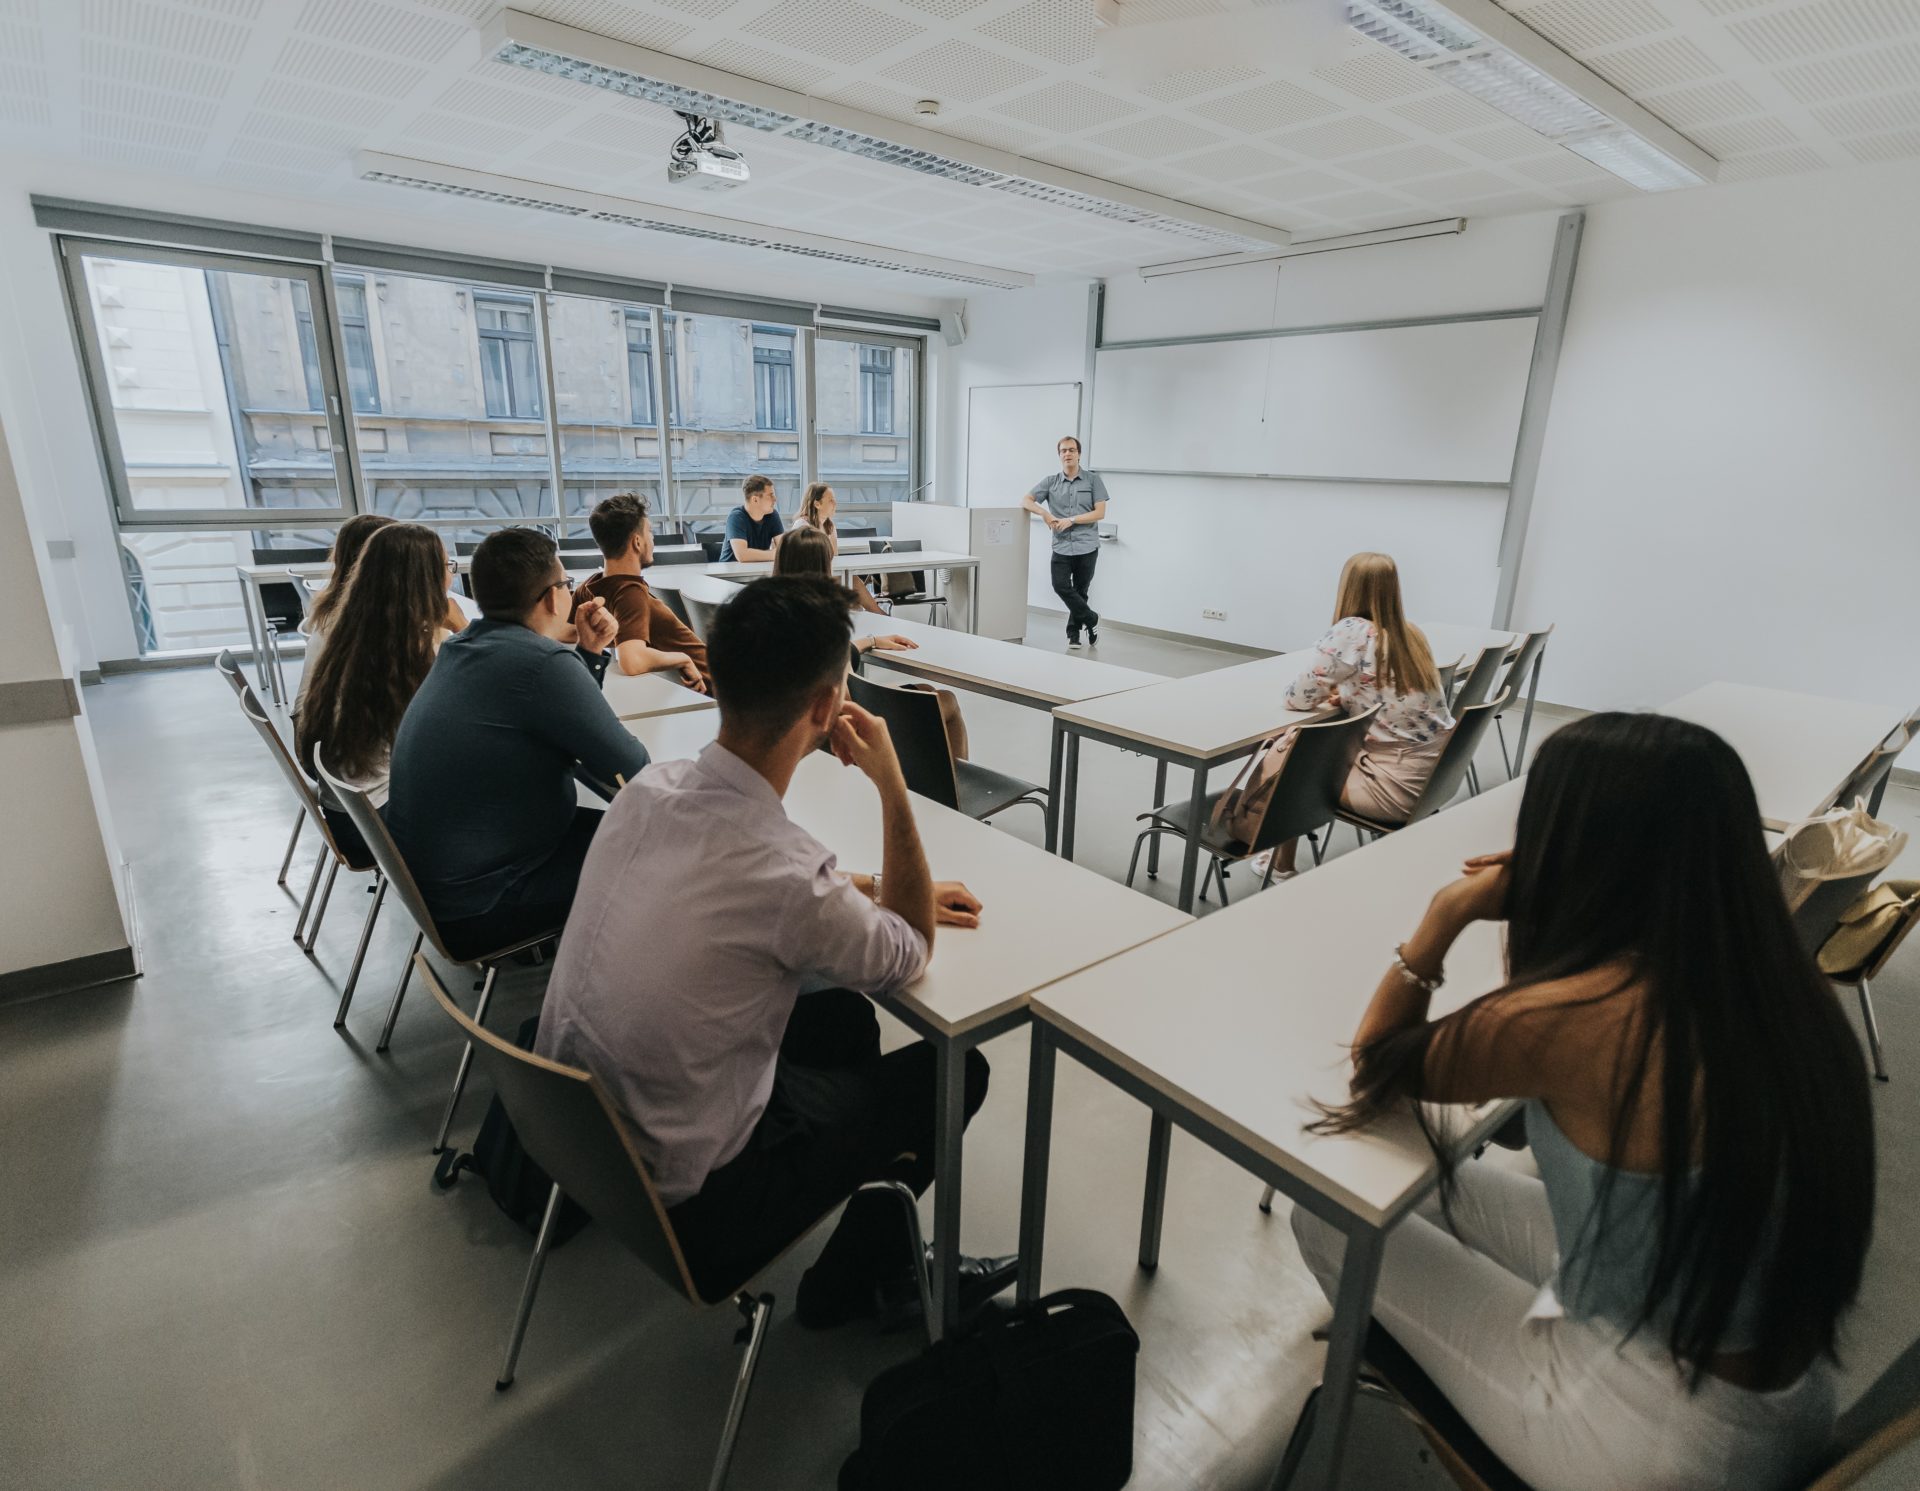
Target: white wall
{"x": 1729, "y": 481}
{"x": 63, "y": 902}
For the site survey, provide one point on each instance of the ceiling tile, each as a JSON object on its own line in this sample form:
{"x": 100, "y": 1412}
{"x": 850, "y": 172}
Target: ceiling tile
{"x": 1896, "y": 146}
{"x": 1401, "y": 164}
{"x": 959, "y": 72}
{"x": 1341, "y": 137}
{"x": 1193, "y": 81}
{"x": 142, "y": 24}
{"x": 1888, "y": 112}
{"x": 1877, "y": 71}
{"x": 1824, "y": 26}
{"x": 994, "y": 132}
{"x": 1707, "y": 103}
{"x": 1292, "y": 186}
{"x": 335, "y": 67}
{"x": 1778, "y": 163}
{"x": 1270, "y": 106}
{"x": 1660, "y": 64}
{"x": 1458, "y": 186}
{"x": 1065, "y": 107}
{"x": 379, "y": 27}
{"x": 1580, "y": 26}
{"x": 1233, "y": 163}
{"x": 1379, "y": 76}
{"x": 628, "y": 23}
{"x": 1448, "y": 113}
{"x": 512, "y": 106}
{"x": 1746, "y": 137}
{"x": 1155, "y": 137}
{"x": 763, "y": 66}
{"x": 1059, "y": 30}
{"x": 842, "y": 31}
{"x": 1505, "y": 142}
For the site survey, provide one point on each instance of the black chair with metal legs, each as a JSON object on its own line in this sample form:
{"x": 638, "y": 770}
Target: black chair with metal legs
{"x": 228, "y": 667}
{"x": 926, "y": 755}
{"x": 697, "y": 556}
{"x": 393, "y": 866}
{"x": 1304, "y": 800}
{"x": 1514, "y": 685}
{"x": 700, "y": 614}
{"x": 333, "y": 857}
{"x": 1456, "y": 758}
{"x": 917, "y": 593}
{"x": 568, "y": 1126}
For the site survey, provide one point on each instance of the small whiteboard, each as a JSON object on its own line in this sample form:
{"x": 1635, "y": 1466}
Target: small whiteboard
{"x": 1012, "y": 430}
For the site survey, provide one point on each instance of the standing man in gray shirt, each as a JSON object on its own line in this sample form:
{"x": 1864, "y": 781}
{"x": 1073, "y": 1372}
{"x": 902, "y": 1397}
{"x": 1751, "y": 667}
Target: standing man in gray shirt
{"x": 1070, "y": 502}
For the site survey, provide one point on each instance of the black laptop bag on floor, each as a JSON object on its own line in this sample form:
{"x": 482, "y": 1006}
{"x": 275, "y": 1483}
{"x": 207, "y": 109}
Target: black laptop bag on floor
{"x": 1039, "y": 1398}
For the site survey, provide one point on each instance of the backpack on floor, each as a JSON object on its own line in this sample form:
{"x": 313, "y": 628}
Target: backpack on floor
{"x": 1039, "y": 1398}
{"x": 515, "y": 1181}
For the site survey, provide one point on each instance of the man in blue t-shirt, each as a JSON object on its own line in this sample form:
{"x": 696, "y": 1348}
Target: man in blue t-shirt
{"x": 754, "y": 525}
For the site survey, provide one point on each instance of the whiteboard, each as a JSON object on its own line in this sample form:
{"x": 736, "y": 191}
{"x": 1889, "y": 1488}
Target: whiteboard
{"x": 1011, "y": 434}
{"x": 1416, "y": 403}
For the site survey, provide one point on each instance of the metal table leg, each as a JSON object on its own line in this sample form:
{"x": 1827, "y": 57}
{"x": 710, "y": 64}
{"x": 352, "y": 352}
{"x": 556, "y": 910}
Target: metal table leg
{"x": 1055, "y": 770}
{"x": 1153, "y": 1208}
{"x": 1526, "y": 717}
{"x": 1352, "y": 1309}
{"x": 1072, "y": 789}
{"x": 1190, "y": 851}
{"x": 1033, "y": 1184}
{"x": 1159, "y": 796}
{"x": 253, "y": 610}
{"x": 950, "y": 1116}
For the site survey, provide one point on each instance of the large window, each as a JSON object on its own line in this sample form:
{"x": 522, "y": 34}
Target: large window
{"x": 876, "y": 390}
{"x": 640, "y": 399}
{"x": 735, "y": 387}
{"x": 356, "y": 330}
{"x": 509, "y": 364}
{"x": 864, "y": 417}
{"x": 211, "y": 379}
{"x": 445, "y": 437}
{"x": 772, "y": 378}
{"x": 603, "y": 386}
{"x": 226, "y": 387}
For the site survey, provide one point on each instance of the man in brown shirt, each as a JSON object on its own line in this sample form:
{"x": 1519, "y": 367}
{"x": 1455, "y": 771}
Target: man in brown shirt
{"x": 650, "y": 639}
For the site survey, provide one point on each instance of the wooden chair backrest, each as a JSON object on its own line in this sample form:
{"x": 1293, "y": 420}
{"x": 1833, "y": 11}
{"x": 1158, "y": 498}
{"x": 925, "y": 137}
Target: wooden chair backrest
{"x": 566, "y": 1124}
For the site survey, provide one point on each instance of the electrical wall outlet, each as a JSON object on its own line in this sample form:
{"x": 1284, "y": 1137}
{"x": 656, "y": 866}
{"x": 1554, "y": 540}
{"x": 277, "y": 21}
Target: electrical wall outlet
{"x": 1209, "y": 614}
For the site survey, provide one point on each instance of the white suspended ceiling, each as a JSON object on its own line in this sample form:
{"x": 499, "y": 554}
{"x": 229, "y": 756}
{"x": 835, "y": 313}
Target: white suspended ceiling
{"x": 277, "y": 95}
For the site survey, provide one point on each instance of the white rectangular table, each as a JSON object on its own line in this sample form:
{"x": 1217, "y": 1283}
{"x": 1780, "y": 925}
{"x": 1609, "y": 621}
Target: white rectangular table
{"x": 1000, "y": 670}
{"x": 1195, "y": 722}
{"x": 943, "y": 561}
{"x": 1041, "y": 920}
{"x": 1800, "y": 749}
{"x": 637, "y": 696}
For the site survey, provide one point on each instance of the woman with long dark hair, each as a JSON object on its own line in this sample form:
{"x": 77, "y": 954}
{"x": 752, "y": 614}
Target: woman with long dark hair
{"x": 1660, "y": 1307}
{"x": 817, "y": 507}
{"x": 381, "y": 642}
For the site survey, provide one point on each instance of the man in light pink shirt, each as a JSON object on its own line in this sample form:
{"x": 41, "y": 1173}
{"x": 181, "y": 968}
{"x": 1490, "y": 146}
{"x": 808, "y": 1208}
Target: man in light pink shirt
{"x": 707, "y": 971}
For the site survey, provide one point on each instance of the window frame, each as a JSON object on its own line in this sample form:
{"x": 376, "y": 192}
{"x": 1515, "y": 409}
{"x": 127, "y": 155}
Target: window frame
{"x": 642, "y": 317}
{"x": 767, "y": 409}
{"x": 916, "y": 432}
{"x": 363, "y": 325}
{"x": 507, "y": 338}
{"x": 72, "y": 252}
{"x": 870, "y": 379}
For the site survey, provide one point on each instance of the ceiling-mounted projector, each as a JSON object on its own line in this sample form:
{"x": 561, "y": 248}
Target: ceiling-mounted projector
{"x": 703, "y": 156}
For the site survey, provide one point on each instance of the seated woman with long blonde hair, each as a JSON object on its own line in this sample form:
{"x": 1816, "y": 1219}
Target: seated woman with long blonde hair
{"x": 817, "y": 507}
{"x": 1373, "y": 655}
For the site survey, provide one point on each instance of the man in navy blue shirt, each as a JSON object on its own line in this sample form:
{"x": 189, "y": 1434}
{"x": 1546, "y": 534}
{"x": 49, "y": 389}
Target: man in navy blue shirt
{"x": 482, "y": 803}
{"x": 754, "y": 525}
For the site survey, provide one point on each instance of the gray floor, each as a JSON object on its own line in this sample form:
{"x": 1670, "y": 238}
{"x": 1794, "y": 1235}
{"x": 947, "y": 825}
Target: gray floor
{"x": 221, "y": 1263}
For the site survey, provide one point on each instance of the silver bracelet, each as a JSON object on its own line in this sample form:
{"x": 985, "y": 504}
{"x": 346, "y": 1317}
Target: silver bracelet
{"x": 1405, "y": 970}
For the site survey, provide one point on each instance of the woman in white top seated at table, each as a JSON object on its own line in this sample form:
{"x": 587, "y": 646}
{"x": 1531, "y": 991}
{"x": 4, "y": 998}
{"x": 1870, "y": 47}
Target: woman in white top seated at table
{"x": 817, "y": 508}
{"x": 381, "y": 640}
{"x": 1373, "y": 655}
{"x": 1657, "y": 1309}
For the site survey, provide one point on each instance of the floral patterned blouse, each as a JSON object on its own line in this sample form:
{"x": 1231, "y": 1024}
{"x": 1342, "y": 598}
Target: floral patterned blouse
{"x": 1346, "y": 666}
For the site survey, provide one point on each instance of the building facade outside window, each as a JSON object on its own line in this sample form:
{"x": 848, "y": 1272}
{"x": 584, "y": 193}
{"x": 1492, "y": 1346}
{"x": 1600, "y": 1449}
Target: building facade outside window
{"x": 640, "y": 400}
{"x": 509, "y": 362}
{"x": 876, "y": 390}
{"x": 363, "y": 381}
{"x": 772, "y": 378}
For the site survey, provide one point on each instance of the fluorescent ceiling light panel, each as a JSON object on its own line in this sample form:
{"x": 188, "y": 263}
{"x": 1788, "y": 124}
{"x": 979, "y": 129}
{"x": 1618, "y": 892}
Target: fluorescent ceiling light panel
{"x": 483, "y": 186}
{"x": 1478, "y": 48}
{"x": 689, "y": 87}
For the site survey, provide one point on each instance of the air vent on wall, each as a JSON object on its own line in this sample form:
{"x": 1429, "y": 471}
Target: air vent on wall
{"x": 431, "y": 176}
{"x": 1478, "y": 48}
{"x": 584, "y": 57}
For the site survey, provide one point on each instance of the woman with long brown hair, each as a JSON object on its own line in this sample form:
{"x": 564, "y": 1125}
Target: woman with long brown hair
{"x": 382, "y": 637}
{"x": 817, "y": 507}
{"x": 1659, "y": 1306}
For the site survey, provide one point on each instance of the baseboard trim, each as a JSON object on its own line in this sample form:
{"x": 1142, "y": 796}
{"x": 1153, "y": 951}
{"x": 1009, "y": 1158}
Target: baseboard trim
{"x": 68, "y": 977}
{"x": 1219, "y": 644}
